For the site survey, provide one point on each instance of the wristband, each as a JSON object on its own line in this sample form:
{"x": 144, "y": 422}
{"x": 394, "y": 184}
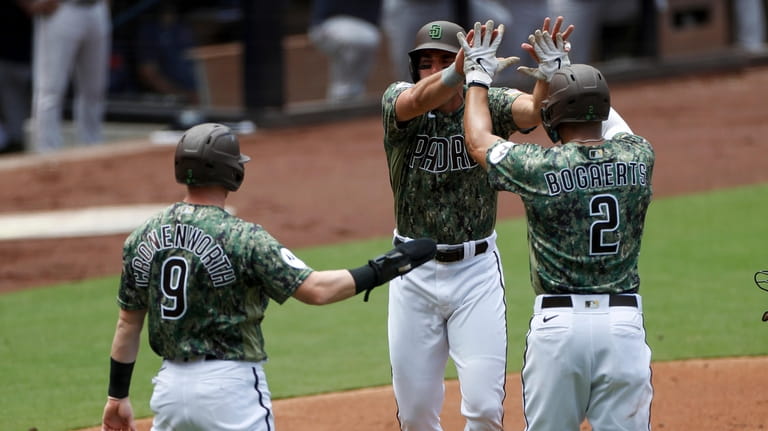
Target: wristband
{"x": 479, "y": 76}
{"x": 449, "y": 77}
{"x": 477, "y": 84}
{"x": 365, "y": 278}
{"x": 119, "y": 378}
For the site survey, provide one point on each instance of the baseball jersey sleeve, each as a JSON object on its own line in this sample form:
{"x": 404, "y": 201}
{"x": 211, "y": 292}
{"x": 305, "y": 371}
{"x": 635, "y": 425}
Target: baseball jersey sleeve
{"x": 279, "y": 271}
{"x": 395, "y": 133}
{"x": 515, "y": 167}
{"x": 133, "y": 294}
{"x": 500, "y": 100}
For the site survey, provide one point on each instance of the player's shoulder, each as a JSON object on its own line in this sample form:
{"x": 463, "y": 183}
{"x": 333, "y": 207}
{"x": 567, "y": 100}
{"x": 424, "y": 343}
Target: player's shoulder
{"x": 395, "y": 89}
{"x": 522, "y": 152}
{"x": 632, "y": 140}
{"x": 628, "y": 137}
{"x": 390, "y": 95}
{"x": 633, "y": 146}
{"x": 501, "y": 102}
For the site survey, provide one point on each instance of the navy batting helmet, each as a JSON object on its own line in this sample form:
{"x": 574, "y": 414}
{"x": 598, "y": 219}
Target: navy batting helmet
{"x": 578, "y": 93}
{"x": 209, "y": 154}
{"x": 433, "y": 35}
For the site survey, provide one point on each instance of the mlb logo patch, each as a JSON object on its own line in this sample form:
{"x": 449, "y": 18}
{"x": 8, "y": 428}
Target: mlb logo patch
{"x": 593, "y": 303}
{"x": 595, "y": 153}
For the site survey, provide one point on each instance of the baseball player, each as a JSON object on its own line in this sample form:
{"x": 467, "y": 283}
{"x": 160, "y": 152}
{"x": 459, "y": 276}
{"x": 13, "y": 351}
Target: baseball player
{"x": 452, "y": 306}
{"x": 348, "y": 34}
{"x": 71, "y": 38}
{"x": 204, "y": 278}
{"x": 585, "y": 201}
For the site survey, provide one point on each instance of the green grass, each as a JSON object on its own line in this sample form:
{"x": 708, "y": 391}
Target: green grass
{"x": 698, "y": 258}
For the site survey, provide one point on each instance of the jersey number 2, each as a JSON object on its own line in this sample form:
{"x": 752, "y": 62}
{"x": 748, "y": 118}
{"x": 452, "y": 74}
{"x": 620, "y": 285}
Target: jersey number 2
{"x": 174, "y": 287}
{"x": 607, "y": 207}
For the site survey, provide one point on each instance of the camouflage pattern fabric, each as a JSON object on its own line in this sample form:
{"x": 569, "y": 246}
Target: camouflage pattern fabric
{"x": 586, "y": 207}
{"x": 206, "y": 278}
{"x": 440, "y": 192}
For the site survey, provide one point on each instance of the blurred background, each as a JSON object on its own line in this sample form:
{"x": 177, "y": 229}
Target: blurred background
{"x": 276, "y": 63}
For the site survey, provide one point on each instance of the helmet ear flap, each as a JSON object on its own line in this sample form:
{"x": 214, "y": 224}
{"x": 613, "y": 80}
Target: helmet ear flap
{"x": 239, "y": 176}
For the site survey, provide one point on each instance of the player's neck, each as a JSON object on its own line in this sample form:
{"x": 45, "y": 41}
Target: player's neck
{"x": 582, "y": 133}
{"x": 206, "y": 196}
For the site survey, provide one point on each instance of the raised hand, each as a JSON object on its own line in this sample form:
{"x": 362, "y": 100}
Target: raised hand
{"x": 480, "y": 46}
{"x": 550, "y": 50}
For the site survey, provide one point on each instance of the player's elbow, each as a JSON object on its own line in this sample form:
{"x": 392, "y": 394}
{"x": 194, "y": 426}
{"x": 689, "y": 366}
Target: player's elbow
{"x": 478, "y": 156}
{"x": 310, "y": 296}
{"x": 473, "y": 139}
{"x": 320, "y": 288}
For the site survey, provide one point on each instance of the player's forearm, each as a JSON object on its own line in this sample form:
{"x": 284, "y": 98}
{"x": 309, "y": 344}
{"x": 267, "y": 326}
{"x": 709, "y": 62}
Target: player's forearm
{"x": 477, "y": 124}
{"x": 125, "y": 344}
{"x": 125, "y": 348}
{"x": 428, "y": 94}
{"x": 326, "y": 287}
{"x": 526, "y": 110}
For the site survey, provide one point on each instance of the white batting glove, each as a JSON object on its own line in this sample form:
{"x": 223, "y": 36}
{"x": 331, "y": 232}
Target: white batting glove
{"x": 553, "y": 54}
{"x": 480, "y": 62}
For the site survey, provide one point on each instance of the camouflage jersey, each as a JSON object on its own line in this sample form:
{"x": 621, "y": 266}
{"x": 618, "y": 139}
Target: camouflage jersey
{"x": 585, "y": 207}
{"x": 206, "y": 278}
{"x": 440, "y": 192}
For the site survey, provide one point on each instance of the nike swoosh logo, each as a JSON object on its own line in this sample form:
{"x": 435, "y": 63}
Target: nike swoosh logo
{"x": 548, "y": 318}
{"x": 480, "y": 63}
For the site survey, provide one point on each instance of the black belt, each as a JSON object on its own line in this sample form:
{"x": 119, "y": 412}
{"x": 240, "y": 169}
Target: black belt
{"x": 565, "y": 301}
{"x": 454, "y": 254}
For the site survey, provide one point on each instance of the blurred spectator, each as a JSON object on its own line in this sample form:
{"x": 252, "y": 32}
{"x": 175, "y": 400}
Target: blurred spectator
{"x": 347, "y": 31}
{"x": 15, "y": 74}
{"x": 162, "y": 53}
{"x": 401, "y": 19}
{"x": 749, "y": 24}
{"x": 71, "y": 38}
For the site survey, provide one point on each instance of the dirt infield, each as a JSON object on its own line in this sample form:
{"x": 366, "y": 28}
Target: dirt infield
{"x": 329, "y": 183}
{"x": 701, "y": 395}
